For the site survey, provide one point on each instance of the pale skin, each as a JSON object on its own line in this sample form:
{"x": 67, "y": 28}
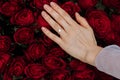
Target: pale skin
{"x": 76, "y": 38}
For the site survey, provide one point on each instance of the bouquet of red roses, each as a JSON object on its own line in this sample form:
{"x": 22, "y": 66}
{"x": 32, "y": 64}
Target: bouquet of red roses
{"x": 27, "y": 54}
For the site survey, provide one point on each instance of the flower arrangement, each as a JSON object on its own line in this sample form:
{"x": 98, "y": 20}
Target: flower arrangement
{"x": 27, "y": 54}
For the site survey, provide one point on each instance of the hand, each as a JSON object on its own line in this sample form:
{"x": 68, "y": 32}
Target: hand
{"x": 76, "y": 39}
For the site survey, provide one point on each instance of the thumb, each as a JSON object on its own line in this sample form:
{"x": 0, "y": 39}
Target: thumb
{"x": 82, "y": 20}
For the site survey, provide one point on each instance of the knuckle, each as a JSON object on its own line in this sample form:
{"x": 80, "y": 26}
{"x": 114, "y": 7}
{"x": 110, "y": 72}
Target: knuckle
{"x": 66, "y": 15}
{"x": 57, "y": 7}
{"x": 55, "y": 25}
{"x": 58, "y": 18}
{"x": 65, "y": 36}
{"x": 57, "y": 40}
{"x": 54, "y": 37}
{"x": 51, "y": 10}
{"x": 47, "y": 32}
{"x": 47, "y": 17}
{"x": 50, "y": 21}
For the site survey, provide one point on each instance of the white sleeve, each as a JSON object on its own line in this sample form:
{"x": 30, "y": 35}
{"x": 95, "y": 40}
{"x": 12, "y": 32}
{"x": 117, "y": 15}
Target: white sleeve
{"x": 108, "y": 60}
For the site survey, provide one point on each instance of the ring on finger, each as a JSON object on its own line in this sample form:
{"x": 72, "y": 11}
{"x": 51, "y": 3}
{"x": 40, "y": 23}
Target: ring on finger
{"x": 59, "y": 30}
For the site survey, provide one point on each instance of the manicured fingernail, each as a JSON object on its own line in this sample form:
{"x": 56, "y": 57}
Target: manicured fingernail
{"x": 52, "y": 4}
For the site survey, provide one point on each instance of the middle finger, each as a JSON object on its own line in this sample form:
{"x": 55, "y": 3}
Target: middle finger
{"x": 53, "y": 24}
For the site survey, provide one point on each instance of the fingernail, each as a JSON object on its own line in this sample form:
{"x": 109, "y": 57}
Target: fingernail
{"x": 43, "y": 13}
{"x": 77, "y": 13}
{"x": 52, "y": 4}
{"x": 45, "y": 6}
{"x": 43, "y": 28}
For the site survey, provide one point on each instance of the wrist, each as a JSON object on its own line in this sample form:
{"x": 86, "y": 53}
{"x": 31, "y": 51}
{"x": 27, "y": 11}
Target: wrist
{"x": 91, "y": 55}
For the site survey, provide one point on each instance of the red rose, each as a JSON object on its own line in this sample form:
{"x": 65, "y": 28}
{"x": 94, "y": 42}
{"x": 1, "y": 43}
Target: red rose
{"x": 100, "y": 23}
{"x": 85, "y": 75}
{"x": 9, "y": 8}
{"x": 5, "y": 43}
{"x": 23, "y": 18}
{"x": 1, "y": 2}
{"x": 115, "y": 20}
{"x": 39, "y": 3}
{"x": 77, "y": 65}
{"x": 42, "y": 23}
{"x": 35, "y": 51}
{"x": 117, "y": 39}
{"x": 116, "y": 24}
{"x": 54, "y": 63}
{"x": 4, "y": 59}
{"x": 101, "y": 75}
{"x": 70, "y": 8}
{"x": 46, "y": 41}
{"x": 35, "y": 71}
{"x": 57, "y": 51}
{"x": 6, "y": 76}
{"x": 17, "y": 66}
{"x": 59, "y": 75}
{"x": 17, "y": 1}
{"x": 29, "y": 79}
{"x": 24, "y": 35}
{"x": 85, "y": 4}
{"x": 110, "y": 39}
{"x": 69, "y": 78}
{"x": 112, "y": 3}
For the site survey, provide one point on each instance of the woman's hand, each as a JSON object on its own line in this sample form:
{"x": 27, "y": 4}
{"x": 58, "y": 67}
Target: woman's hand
{"x": 77, "y": 40}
